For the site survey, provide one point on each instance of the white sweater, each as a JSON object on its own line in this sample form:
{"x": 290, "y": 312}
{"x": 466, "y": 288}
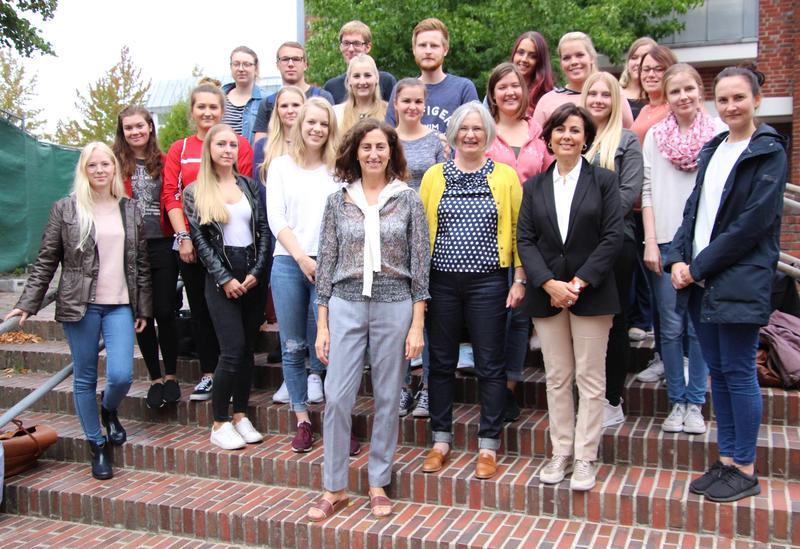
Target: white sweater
{"x": 296, "y": 199}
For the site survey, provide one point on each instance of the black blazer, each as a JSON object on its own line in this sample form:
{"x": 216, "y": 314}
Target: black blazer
{"x": 594, "y": 240}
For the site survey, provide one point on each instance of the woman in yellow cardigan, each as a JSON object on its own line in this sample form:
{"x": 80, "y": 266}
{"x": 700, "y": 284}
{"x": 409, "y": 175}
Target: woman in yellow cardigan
{"x": 472, "y": 205}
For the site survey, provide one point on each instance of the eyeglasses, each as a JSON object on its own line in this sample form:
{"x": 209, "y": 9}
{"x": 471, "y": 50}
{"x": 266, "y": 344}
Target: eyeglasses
{"x": 286, "y": 59}
{"x": 656, "y": 70}
{"x": 357, "y": 44}
{"x": 474, "y": 129}
{"x": 243, "y": 64}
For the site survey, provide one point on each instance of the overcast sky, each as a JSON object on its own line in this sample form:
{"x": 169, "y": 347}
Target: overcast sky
{"x": 167, "y": 38}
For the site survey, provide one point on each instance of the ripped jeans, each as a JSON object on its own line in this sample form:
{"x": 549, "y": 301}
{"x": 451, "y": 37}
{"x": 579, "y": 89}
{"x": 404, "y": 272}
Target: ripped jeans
{"x": 292, "y": 294}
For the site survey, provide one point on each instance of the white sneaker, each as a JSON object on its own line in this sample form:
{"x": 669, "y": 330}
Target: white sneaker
{"x": 315, "y": 391}
{"x": 674, "y": 421}
{"x": 583, "y": 476}
{"x": 281, "y": 396}
{"x": 556, "y": 469}
{"x": 636, "y": 334}
{"x": 653, "y": 372}
{"x": 612, "y": 415}
{"x": 693, "y": 422}
{"x": 247, "y": 431}
{"x": 534, "y": 343}
{"x": 227, "y": 438}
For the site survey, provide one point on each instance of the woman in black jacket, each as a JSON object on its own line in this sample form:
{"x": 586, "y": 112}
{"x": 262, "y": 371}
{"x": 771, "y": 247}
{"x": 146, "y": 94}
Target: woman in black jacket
{"x": 723, "y": 259}
{"x": 229, "y": 229}
{"x": 569, "y": 233}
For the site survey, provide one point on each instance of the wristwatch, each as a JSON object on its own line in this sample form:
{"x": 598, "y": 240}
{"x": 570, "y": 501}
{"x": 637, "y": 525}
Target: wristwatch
{"x": 520, "y": 281}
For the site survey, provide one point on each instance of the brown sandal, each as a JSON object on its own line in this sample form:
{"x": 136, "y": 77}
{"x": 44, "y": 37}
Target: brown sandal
{"x": 327, "y": 509}
{"x": 377, "y": 502}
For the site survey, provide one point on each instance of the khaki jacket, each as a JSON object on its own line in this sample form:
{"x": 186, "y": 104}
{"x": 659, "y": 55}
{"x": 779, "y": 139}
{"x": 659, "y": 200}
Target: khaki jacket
{"x": 79, "y": 268}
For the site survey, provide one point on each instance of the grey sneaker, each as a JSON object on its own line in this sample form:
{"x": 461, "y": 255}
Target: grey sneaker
{"x": 583, "y": 476}
{"x": 556, "y": 469}
{"x": 693, "y": 422}
{"x": 674, "y": 421}
{"x": 421, "y": 410}
{"x": 653, "y": 372}
{"x": 406, "y": 402}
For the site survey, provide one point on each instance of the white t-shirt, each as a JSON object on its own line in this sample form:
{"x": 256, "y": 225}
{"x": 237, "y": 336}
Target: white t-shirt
{"x": 237, "y": 231}
{"x": 296, "y": 199}
{"x": 719, "y": 168}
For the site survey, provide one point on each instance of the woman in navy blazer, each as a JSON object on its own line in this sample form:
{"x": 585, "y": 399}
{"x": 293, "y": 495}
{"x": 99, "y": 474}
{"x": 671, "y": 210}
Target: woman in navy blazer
{"x": 569, "y": 234}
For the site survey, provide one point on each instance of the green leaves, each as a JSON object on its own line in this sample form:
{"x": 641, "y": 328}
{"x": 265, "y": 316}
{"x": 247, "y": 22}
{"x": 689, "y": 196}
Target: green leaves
{"x": 18, "y": 32}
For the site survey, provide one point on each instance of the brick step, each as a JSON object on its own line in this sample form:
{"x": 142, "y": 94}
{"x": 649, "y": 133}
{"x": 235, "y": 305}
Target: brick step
{"x": 22, "y": 532}
{"x": 624, "y": 495}
{"x": 781, "y": 407}
{"x": 638, "y": 441}
{"x": 237, "y": 512}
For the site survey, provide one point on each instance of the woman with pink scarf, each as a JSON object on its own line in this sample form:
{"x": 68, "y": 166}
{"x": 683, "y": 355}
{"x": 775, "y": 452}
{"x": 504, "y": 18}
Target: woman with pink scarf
{"x": 670, "y": 154}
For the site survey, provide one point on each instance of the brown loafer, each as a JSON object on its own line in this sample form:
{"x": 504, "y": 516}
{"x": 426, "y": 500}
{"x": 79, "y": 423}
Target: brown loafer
{"x": 486, "y": 467}
{"x": 434, "y": 461}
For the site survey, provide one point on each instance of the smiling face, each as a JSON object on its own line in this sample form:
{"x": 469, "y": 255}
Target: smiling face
{"x": 288, "y": 107}
{"x": 362, "y": 80}
{"x": 525, "y": 57}
{"x": 136, "y": 131}
{"x": 736, "y": 104}
{"x": 100, "y": 171}
{"x": 429, "y": 50}
{"x": 683, "y": 96}
{"x": 224, "y": 149}
{"x": 410, "y": 104}
{"x": 471, "y": 136}
{"x": 508, "y": 94}
{"x": 599, "y": 101}
{"x": 576, "y": 63}
{"x": 243, "y": 68}
{"x": 315, "y": 128}
{"x": 652, "y": 76}
{"x": 291, "y": 64}
{"x": 352, "y": 44}
{"x": 636, "y": 60}
{"x": 373, "y": 154}
{"x": 206, "y": 111}
{"x": 567, "y": 140}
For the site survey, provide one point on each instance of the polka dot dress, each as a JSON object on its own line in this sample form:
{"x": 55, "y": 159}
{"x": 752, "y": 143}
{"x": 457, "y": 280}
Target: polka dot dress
{"x": 466, "y": 236}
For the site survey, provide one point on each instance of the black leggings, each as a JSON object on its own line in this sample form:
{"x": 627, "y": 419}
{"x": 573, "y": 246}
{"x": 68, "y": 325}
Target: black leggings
{"x": 619, "y": 347}
{"x": 236, "y": 322}
{"x": 164, "y": 277}
{"x": 205, "y": 340}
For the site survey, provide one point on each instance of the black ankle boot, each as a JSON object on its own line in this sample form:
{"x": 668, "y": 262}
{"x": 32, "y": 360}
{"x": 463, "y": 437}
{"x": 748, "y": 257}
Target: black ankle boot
{"x": 116, "y": 432}
{"x": 101, "y": 461}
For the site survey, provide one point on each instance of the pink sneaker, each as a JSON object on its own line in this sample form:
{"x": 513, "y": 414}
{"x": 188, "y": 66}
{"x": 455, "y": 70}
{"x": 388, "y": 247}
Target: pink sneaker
{"x": 304, "y": 438}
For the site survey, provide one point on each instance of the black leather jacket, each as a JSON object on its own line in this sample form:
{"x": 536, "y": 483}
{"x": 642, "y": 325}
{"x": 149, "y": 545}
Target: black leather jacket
{"x": 208, "y": 238}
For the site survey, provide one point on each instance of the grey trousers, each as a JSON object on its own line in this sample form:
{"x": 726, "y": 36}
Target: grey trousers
{"x": 352, "y": 325}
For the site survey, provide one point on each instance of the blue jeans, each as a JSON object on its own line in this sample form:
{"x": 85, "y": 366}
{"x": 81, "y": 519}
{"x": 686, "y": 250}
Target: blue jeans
{"x": 674, "y": 327}
{"x": 294, "y": 297}
{"x": 730, "y": 350}
{"x": 426, "y": 363}
{"x": 517, "y": 330}
{"x": 115, "y": 324}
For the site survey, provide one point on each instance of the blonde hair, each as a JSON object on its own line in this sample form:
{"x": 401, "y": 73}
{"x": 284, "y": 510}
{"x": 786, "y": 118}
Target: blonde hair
{"x": 577, "y": 36}
{"x": 276, "y": 142}
{"x": 608, "y": 137}
{"x": 297, "y": 148}
{"x": 356, "y": 27}
{"x": 626, "y": 76}
{"x": 209, "y": 203}
{"x": 378, "y": 110}
{"x": 82, "y": 188}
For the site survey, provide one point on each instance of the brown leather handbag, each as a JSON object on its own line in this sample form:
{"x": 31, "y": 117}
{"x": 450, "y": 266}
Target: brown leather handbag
{"x": 24, "y": 446}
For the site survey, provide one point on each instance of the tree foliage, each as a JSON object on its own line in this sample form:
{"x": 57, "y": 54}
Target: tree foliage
{"x": 17, "y": 90}
{"x": 176, "y": 125}
{"x": 120, "y": 86}
{"x": 17, "y": 32}
{"x": 482, "y": 32}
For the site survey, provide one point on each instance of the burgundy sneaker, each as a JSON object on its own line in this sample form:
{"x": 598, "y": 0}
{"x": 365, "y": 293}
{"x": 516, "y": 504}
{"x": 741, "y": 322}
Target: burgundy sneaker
{"x": 355, "y": 445}
{"x": 304, "y": 438}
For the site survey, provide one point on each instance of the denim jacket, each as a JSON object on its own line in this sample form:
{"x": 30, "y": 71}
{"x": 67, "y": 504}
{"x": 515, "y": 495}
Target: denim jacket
{"x": 250, "y": 110}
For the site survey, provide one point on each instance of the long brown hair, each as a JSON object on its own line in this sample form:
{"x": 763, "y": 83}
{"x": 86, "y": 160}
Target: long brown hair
{"x": 124, "y": 153}
{"x": 541, "y": 80}
{"x": 348, "y": 169}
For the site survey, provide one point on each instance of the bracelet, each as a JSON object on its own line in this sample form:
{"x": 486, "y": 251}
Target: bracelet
{"x": 520, "y": 281}
{"x": 180, "y": 236}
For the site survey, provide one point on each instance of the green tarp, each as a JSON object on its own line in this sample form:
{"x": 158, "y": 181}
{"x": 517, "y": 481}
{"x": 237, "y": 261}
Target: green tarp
{"x": 33, "y": 175}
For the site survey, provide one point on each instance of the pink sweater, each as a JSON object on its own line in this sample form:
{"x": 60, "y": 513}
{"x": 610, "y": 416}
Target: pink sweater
{"x": 112, "y": 289}
{"x": 557, "y": 97}
{"x": 533, "y": 156}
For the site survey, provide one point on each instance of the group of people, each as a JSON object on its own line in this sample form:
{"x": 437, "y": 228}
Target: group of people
{"x": 391, "y": 218}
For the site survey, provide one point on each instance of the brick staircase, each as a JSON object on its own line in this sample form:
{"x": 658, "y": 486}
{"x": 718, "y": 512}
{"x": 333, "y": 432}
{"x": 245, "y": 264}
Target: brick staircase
{"x": 172, "y": 488}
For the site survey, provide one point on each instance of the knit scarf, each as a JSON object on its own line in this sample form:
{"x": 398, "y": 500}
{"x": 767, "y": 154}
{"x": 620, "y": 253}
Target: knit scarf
{"x": 682, "y": 149}
{"x": 372, "y": 226}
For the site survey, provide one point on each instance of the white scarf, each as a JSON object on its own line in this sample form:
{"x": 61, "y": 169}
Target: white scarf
{"x": 372, "y": 225}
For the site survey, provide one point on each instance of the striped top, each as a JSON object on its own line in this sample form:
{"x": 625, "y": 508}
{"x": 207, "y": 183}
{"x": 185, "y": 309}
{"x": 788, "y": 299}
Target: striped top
{"x": 233, "y": 116}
